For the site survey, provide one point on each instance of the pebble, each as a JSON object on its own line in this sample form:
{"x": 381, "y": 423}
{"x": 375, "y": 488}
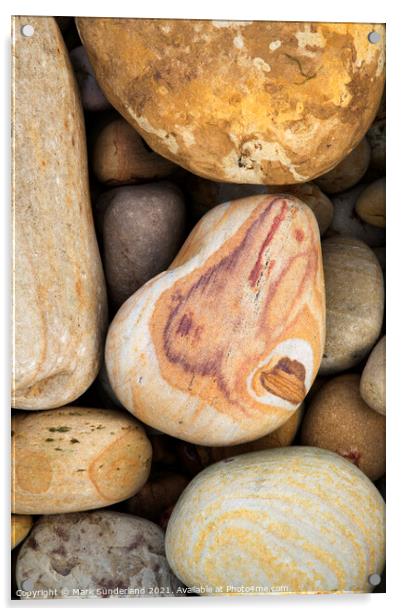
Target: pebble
{"x": 370, "y": 204}
{"x": 354, "y": 289}
{"x": 143, "y": 229}
{"x": 372, "y": 384}
{"x": 348, "y": 172}
{"x": 338, "y": 419}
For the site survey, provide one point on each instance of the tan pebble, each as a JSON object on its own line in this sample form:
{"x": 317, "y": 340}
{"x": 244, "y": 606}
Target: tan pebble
{"x": 75, "y": 458}
{"x": 372, "y": 384}
{"x": 121, "y": 157}
{"x": 354, "y": 290}
{"x": 338, "y": 419}
{"x": 370, "y": 204}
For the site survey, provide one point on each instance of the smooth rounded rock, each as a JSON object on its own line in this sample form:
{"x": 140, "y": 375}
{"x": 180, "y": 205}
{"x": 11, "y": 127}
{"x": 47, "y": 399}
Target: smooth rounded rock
{"x": 270, "y": 103}
{"x": 348, "y": 172}
{"x": 354, "y": 289}
{"x": 223, "y": 347}
{"x": 372, "y": 383}
{"x": 370, "y": 204}
{"x": 143, "y": 229}
{"x": 205, "y": 194}
{"x": 20, "y": 527}
{"x": 100, "y": 554}
{"x": 338, "y": 419}
{"x": 345, "y": 220}
{"x": 75, "y": 458}
{"x": 121, "y": 156}
{"x": 288, "y": 520}
{"x": 92, "y": 96}
{"x": 59, "y": 297}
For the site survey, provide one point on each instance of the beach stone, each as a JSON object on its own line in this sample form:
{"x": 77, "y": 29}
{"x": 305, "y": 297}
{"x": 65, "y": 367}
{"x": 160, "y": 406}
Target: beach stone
{"x": 223, "y": 347}
{"x": 372, "y": 383}
{"x": 371, "y": 204}
{"x": 59, "y": 294}
{"x": 354, "y": 289}
{"x": 91, "y": 555}
{"x": 349, "y": 171}
{"x": 338, "y": 419}
{"x": 121, "y": 156}
{"x": 270, "y": 103}
{"x": 142, "y": 232}
{"x": 345, "y": 220}
{"x": 92, "y": 96}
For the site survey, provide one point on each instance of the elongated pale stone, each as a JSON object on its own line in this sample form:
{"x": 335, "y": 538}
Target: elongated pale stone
{"x": 253, "y": 102}
{"x": 295, "y": 519}
{"x": 223, "y": 347}
{"x": 58, "y": 284}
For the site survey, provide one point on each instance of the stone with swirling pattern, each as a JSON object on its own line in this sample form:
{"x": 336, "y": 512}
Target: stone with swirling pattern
{"x": 299, "y": 519}
{"x": 223, "y": 347}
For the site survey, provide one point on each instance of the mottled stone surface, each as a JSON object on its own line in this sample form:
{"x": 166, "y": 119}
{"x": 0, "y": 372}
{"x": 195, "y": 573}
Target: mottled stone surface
{"x": 121, "y": 156}
{"x": 349, "y": 171}
{"x": 247, "y": 102}
{"x": 294, "y": 519}
{"x": 223, "y": 347}
{"x": 205, "y": 194}
{"x": 371, "y": 204}
{"x": 58, "y": 285}
{"x": 372, "y": 383}
{"x": 75, "y": 458}
{"x": 20, "y": 527}
{"x": 143, "y": 229}
{"x": 354, "y": 290}
{"x": 338, "y": 419}
{"x": 345, "y": 220}
{"x": 100, "y": 554}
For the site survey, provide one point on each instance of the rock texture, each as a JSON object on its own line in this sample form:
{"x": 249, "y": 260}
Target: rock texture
{"x": 74, "y": 458}
{"x": 59, "y": 299}
{"x": 143, "y": 229}
{"x": 349, "y": 171}
{"x": 270, "y": 103}
{"x": 338, "y": 419}
{"x": 372, "y": 383}
{"x": 121, "y": 156}
{"x": 354, "y": 289}
{"x": 295, "y": 519}
{"x": 94, "y": 555}
{"x": 223, "y": 347}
